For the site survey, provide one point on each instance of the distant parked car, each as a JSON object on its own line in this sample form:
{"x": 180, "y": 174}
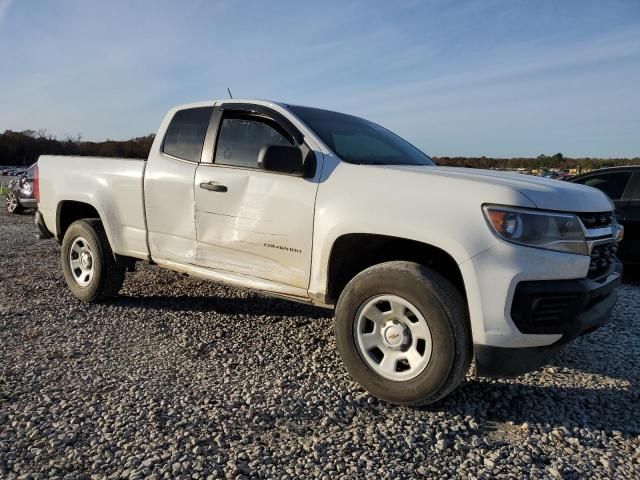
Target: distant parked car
{"x": 549, "y": 175}
{"x": 622, "y": 185}
{"x": 556, "y": 175}
{"x": 563, "y": 176}
{"x": 20, "y": 196}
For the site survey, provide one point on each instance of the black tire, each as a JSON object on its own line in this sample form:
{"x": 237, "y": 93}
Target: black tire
{"x": 108, "y": 275}
{"x": 13, "y": 203}
{"x": 444, "y": 309}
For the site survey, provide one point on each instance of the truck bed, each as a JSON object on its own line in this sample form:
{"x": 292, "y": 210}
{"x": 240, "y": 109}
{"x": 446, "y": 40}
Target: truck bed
{"x": 114, "y": 186}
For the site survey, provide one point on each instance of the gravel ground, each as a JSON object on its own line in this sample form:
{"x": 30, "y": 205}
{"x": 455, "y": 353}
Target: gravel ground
{"x": 182, "y": 378}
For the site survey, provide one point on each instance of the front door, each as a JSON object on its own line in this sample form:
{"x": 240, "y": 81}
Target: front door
{"x": 251, "y": 221}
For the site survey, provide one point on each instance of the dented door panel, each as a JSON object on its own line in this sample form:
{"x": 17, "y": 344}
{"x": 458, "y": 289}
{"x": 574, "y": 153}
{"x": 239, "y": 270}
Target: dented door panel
{"x": 168, "y": 195}
{"x": 260, "y": 226}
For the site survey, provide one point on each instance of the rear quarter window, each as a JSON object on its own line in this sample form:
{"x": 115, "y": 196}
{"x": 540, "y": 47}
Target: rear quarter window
{"x": 186, "y": 132}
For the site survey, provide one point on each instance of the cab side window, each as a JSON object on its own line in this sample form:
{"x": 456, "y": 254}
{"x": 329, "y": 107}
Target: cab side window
{"x": 241, "y": 138}
{"x": 186, "y": 132}
{"x": 613, "y": 184}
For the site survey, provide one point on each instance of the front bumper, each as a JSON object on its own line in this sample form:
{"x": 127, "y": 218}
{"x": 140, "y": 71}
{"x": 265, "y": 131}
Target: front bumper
{"x": 569, "y": 308}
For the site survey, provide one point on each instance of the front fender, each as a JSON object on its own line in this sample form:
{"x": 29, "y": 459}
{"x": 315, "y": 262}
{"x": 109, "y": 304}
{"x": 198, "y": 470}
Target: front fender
{"x": 439, "y": 212}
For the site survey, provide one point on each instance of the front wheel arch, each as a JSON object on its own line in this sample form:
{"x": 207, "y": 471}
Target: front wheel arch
{"x": 354, "y": 252}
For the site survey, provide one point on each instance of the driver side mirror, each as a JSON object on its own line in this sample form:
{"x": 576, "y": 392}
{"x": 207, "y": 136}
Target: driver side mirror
{"x": 281, "y": 159}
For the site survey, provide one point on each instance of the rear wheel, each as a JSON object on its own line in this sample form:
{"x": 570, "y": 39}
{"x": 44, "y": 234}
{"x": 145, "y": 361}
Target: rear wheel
{"x": 89, "y": 266}
{"x": 13, "y": 203}
{"x": 402, "y": 332}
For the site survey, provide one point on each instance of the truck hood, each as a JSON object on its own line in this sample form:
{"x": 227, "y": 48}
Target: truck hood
{"x": 545, "y": 193}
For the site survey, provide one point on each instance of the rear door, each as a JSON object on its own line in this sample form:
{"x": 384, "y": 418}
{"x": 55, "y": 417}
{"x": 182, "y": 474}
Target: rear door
{"x": 251, "y": 221}
{"x": 168, "y": 187}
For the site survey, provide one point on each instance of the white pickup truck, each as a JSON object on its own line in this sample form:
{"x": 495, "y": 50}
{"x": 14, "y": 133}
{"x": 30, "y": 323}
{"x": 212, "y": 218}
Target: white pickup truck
{"x": 426, "y": 266}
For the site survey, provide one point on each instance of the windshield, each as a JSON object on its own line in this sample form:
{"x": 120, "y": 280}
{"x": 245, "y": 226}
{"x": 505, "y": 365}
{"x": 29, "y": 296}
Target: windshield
{"x": 356, "y": 140}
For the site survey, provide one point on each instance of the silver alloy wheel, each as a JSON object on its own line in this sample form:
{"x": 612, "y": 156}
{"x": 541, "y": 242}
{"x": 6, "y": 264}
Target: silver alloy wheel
{"x": 12, "y": 201}
{"x": 81, "y": 262}
{"x": 393, "y": 337}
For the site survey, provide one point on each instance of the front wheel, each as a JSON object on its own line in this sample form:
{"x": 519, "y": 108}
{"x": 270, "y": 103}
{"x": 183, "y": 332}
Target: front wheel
{"x": 13, "y": 203}
{"x": 89, "y": 266}
{"x": 402, "y": 332}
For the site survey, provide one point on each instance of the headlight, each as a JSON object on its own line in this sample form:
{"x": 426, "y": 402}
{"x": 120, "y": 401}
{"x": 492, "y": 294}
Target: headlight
{"x": 551, "y": 231}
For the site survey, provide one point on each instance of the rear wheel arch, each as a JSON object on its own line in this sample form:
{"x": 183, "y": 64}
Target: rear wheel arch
{"x": 68, "y": 211}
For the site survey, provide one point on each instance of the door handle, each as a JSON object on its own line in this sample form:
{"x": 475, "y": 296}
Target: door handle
{"x": 213, "y": 187}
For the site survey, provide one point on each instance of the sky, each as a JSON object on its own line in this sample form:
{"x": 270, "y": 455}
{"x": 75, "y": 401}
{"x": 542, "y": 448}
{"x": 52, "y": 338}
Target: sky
{"x": 456, "y": 78}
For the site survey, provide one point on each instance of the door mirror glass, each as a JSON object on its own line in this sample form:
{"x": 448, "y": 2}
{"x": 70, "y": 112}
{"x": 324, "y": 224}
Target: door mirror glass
{"x": 281, "y": 159}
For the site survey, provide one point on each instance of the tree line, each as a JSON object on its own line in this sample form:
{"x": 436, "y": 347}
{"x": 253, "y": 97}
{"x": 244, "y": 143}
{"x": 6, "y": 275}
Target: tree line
{"x": 24, "y": 148}
{"x": 541, "y": 162}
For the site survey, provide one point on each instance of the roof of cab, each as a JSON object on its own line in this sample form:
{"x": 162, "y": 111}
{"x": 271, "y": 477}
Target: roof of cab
{"x": 211, "y": 103}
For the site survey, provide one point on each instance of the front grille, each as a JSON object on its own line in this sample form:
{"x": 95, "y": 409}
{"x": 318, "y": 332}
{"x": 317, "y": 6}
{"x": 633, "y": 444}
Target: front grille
{"x": 596, "y": 220}
{"x": 602, "y": 257}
